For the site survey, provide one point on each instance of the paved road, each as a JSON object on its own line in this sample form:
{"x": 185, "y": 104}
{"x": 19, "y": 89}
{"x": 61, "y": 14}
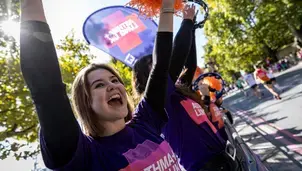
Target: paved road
{"x": 272, "y": 128}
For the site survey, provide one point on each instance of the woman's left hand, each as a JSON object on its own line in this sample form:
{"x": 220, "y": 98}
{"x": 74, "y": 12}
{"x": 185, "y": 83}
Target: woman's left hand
{"x": 189, "y": 12}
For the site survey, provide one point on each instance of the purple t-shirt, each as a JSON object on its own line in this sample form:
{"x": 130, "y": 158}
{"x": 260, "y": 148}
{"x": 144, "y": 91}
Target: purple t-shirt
{"x": 193, "y": 138}
{"x": 137, "y": 147}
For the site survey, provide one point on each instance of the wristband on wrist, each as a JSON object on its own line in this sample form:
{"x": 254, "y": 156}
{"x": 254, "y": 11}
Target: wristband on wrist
{"x": 167, "y": 10}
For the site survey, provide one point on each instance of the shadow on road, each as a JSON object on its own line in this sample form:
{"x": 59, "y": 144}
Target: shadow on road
{"x": 280, "y": 139}
{"x": 252, "y": 115}
{"x": 287, "y": 81}
{"x": 287, "y": 98}
{"x": 280, "y": 149}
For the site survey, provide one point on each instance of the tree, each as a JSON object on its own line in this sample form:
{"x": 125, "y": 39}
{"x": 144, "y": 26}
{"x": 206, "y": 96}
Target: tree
{"x": 282, "y": 13}
{"x": 18, "y": 119}
{"x": 241, "y": 32}
{"x": 229, "y": 43}
{"x": 17, "y": 114}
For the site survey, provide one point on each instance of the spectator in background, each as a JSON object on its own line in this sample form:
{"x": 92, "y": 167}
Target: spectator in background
{"x": 299, "y": 54}
{"x": 278, "y": 65}
{"x": 283, "y": 64}
{"x": 239, "y": 84}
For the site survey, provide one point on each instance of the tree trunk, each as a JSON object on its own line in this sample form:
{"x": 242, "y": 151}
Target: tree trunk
{"x": 296, "y": 32}
{"x": 271, "y": 53}
{"x": 300, "y": 35}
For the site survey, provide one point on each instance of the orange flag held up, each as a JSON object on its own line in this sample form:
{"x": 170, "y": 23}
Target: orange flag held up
{"x": 151, "y": 8}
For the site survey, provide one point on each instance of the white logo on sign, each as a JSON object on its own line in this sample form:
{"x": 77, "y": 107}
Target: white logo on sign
{"x": 130, "y": 59}
{"x": 121, "y": 30}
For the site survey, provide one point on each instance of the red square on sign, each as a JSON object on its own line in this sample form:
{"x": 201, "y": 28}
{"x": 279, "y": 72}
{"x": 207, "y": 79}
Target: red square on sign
{"x": 141, "y": 25}
{"x": 129, "y": 42}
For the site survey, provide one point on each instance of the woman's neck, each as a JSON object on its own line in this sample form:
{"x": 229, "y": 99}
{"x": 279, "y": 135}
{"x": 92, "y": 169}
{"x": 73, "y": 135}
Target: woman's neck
{"x": 111, "y": 128}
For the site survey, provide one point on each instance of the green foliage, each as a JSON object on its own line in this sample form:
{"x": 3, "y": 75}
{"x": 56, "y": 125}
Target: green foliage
{"x": 75, "y": 56}
{"x": 241, "y": 32}
{"x": 283, "y": 15}
{"x": 18, "y": 119}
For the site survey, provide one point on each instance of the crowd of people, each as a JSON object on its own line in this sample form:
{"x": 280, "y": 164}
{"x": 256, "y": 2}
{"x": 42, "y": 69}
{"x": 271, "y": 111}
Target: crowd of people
{"x": 172, "y": 124}
{"x": 283, "y": 64}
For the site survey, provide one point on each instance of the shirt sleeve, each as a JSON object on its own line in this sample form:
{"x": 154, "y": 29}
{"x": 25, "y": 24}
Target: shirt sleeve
{"x": 41, "y": 72}
{"x": 156, "y": 89}
{"x": 80, "y": 159}
{"x": 191, "y": 63}
{"x": 148, "y": 117}
{"x": 181, "y": 47}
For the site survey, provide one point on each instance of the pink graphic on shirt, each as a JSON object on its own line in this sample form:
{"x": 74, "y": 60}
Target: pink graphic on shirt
{"x": 216, "y": 115}
{"x": 196, "y": 113}
{"x": 150, "y": 156}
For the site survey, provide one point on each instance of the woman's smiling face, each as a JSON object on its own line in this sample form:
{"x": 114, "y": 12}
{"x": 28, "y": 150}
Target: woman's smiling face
{"x": 108, "y": 95}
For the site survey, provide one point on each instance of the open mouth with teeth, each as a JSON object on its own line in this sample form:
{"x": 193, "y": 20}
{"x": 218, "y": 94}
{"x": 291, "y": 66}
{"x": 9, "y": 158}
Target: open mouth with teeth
{"x": 115, "y": 100}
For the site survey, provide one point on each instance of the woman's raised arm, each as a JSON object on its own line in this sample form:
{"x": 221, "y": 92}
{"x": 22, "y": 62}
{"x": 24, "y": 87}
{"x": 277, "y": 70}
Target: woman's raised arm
{"x": 182, "y": 43}
{"x": 40, "y": 69}
{"x": 191, "y": 63}
{"x": 156, "y": 88}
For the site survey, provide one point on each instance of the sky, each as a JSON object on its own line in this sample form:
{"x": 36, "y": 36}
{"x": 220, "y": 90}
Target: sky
{"x": 65, "y": 15}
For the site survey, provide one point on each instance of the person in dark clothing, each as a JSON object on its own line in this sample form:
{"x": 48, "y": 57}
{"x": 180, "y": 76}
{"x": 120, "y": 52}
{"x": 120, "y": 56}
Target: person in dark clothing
{"x": 99, "y": 99}
{"x": 192, "y": 136}
{"x": 180, "y": 49}
{"x": 284, "y": 64}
